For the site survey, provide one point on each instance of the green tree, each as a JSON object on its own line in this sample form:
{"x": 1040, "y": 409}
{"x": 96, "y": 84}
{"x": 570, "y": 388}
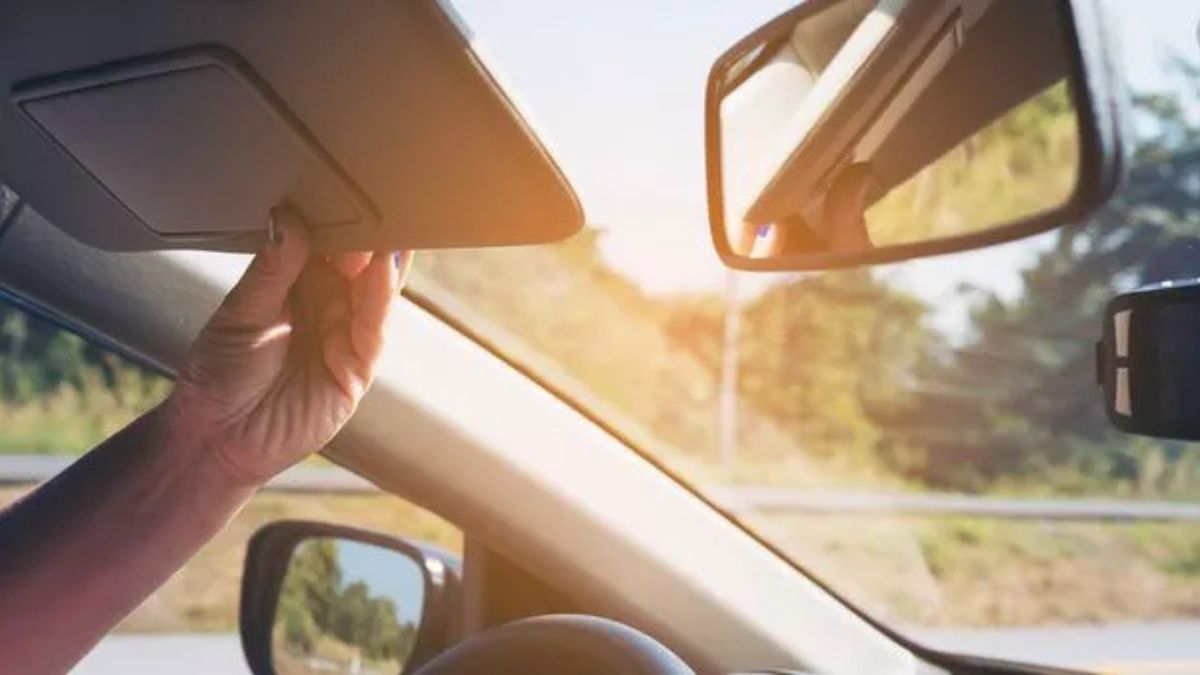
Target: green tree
{"x": 309, "y": 597}
{"x": 314, "y": 602}
{"x": 382, "y": 636}
{"x": 810, "y": 347}
{"x": 1017, "y": 402}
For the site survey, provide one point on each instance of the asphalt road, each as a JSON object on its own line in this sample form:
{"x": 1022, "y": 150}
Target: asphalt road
{"x": 1168, "y": 648}
{"x": 1159, "y": 648}
{"x": 176, "y": 654}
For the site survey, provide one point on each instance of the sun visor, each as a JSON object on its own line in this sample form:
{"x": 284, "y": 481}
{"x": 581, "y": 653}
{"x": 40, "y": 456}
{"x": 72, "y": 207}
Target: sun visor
{"x": 222, "y": 152}
{"x": 179, "y": 125}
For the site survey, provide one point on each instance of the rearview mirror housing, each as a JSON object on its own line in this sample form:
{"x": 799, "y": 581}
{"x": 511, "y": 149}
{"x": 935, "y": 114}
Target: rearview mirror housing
{"x": 321, "y": 597}
{"x": 1148, "y": 361}
{"x": 852, "y": 132}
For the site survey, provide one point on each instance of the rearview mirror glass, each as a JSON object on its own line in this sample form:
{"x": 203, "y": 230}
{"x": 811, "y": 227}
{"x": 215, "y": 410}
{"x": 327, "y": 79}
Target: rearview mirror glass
{"x": 346, "y": 607}
{"x": 857, "y": 131}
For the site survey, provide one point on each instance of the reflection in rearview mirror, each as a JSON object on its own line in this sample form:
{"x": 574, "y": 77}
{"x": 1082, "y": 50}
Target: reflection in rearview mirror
{"x": 346, "y": 607}
{"x": 1024, "y": 162}
{"x": 871, "y": 125}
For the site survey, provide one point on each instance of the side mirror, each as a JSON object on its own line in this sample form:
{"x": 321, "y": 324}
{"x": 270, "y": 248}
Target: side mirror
{"x": 849, "y": 132}
{"x": 319, "y": 598}
{"x": 1148, "y": 361}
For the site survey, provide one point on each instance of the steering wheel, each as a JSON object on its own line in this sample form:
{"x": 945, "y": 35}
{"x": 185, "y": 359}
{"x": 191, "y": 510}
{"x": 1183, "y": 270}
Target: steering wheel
{"x": 564, "y": 644}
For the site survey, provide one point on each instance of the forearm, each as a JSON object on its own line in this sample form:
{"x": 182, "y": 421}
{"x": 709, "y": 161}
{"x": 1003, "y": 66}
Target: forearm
{"x": 85, "y": 549}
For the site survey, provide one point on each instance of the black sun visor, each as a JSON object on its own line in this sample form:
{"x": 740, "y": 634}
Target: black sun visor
{"x": 152, "y": 124}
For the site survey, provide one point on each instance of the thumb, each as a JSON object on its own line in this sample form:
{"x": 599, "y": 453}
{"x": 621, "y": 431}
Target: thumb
{"x": 260, "y": 295}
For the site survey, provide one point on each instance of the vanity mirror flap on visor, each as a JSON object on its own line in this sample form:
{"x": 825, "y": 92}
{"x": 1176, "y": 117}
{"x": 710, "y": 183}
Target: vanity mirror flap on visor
{"x": 196, "y": 109}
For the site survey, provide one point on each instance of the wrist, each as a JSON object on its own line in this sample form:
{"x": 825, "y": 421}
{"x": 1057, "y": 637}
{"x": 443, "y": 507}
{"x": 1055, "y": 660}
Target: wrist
{"x": 197, "y": 446}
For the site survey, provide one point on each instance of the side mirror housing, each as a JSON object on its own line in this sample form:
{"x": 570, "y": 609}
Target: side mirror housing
{"x": 1148, "y": 361}
{"x": 326, "y": 598}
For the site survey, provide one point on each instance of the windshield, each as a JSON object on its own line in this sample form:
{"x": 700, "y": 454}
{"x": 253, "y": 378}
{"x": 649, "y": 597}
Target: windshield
{"x": 926, "y": 437}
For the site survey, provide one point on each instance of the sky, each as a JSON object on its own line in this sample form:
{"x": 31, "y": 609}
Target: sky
{"x": 386, "y": 573}
{"x": 616, "y": 90}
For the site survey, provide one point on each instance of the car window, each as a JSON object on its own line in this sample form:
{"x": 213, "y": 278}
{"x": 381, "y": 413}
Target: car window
{"x": 926, "y": 438}
{"x": 61, "y": 395}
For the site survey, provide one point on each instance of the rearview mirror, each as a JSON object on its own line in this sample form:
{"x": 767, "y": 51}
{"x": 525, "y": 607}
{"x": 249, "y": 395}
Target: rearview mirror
{"x": 847, "y": 132}
{"x": 1148, "y": 361}
{"x": 320, "y": 598}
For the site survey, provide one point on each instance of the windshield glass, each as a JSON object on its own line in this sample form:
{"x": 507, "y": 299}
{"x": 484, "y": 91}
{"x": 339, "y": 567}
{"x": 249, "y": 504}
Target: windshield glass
{"x": 925, "y": 437}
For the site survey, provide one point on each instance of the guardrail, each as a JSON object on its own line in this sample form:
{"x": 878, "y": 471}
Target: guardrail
{"x": 787, "y": 500}
{"x": 33, "y": 469}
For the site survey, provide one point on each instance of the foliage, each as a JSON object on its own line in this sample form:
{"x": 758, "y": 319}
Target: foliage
{"x": 1024, "y": 162}
{"x": 574, "y": 319}
{"x": 844, "y": 367}
{"x": 309, "y": 593}
{"x": 810, "y": 348}
{"x": 807, "y": 351}
{"x": 315, "y": 605}
{"x": 1186, "y": 562}
{"x": 1033, "y": 414}
{"x": 59, "y": 393}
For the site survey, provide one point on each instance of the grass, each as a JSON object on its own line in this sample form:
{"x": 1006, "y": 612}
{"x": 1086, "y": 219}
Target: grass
{"x": 333, "y": 655}
{"x": 70, "y": 420}
{"x": 947, "y": 571}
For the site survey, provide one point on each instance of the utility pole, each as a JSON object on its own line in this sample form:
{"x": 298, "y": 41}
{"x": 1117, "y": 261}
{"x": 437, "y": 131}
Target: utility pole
{"x": 727, "y": 401}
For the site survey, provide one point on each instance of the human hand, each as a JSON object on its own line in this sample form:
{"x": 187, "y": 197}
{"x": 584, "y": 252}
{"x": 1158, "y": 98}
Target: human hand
{"x": 284, "y": 361}
{"x": 842, "y": 227}
{"x": 845, "y": 205}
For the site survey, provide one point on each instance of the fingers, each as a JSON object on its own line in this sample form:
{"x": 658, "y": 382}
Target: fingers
{"x": 323, "y": 296}
{"x": 350, "y": 264}
{"x": 374, "y": 290}
{"x": 259, "y": 297}
{"x": 855, "y": 183}
{"x": 343, "y": 320}
{"x": 345, "y": 368}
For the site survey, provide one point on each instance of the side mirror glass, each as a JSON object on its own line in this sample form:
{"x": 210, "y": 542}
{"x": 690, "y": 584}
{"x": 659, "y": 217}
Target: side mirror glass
{"x": 848, "y": 132}
{"x": 1148, "y": 364}
{"x": 325, "y": 599}
{"x": 347, "y": 607}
